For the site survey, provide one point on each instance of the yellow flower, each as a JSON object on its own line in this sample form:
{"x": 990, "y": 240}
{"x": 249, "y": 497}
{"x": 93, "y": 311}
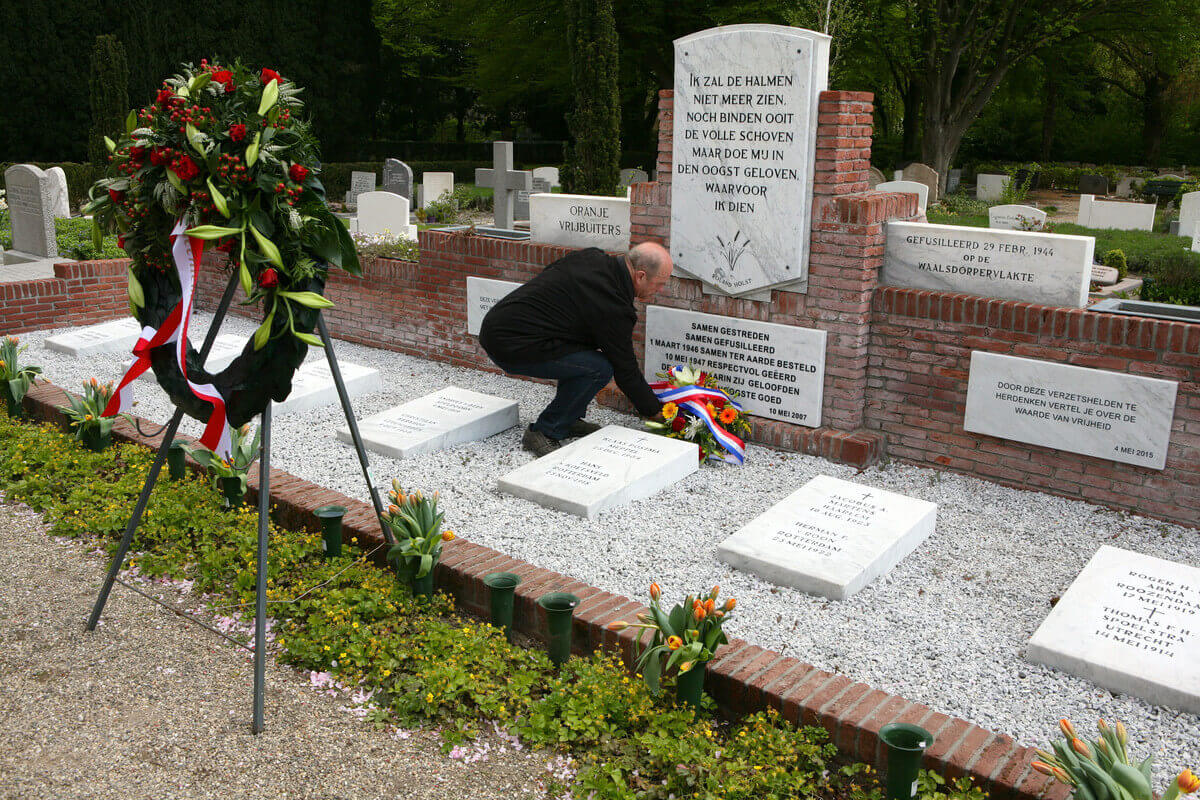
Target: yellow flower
{"x": 447, "y": 536}
{"x": 1187, "y": 782}
{"x": 674, "y": 642}
{"x": 669, "y": 410}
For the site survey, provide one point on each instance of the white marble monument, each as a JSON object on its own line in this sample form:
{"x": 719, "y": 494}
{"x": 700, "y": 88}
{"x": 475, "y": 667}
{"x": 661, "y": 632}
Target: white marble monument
{"x": 1189, "y": 214}
{"x": 830, "y": 537}
{"x": 60, "y": 198}
{"x": 578, "y": 220}
{"x": 1016, "y": 218}
{"x": 1130, "y": 623}
{"x": 29, "y": 193}
{"x": 990, "y": 188}
{"x": 313, "y": 387}
{"x": 434, "y": 185}
{"x": 115, "y": 336}
{"x": 482, "y": 294}
{"x": 437, "y": 421}
{"x": 548, "y": 174}
{"x": 1110, "y": 415}
{"x": 611, "y": 467}
{"x": 384, "y": 212}
{"x": 1115, "y": 215}
{"x": 908, "y": 187}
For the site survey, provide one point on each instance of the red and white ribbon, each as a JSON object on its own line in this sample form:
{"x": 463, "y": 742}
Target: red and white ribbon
{"x": 186, "y": 252}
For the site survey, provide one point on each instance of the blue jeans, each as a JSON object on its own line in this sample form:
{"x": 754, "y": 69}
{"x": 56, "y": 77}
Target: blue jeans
{"x": 580, "y": 377}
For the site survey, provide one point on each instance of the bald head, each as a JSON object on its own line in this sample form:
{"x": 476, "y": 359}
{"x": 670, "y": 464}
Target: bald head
{"x": 650, "y": 268}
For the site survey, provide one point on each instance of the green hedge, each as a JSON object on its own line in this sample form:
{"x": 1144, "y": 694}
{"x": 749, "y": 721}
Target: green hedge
{"x": 1061, "y": 176}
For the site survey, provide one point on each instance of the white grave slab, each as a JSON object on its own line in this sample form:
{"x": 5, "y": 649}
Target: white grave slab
{"x": 777, "y": 371}
{"x": 1015, "y": 217}
{"x": 1105, "y": 276}
{"x": 225, "y": 349}
{"x": 60, "y": 196}
{"x": 437, "y": 421}
{"x": 1196, "y": 239}
{"x": 830, "y": 537}
{"x": 579, "y": 220}
{"x": 1046, "y": 268}
{"x": 908, "y": 187}
{"x": 434, "y": 185}
{"x": 482, "y": 294}
{"x": 609, "y": 468}
{"x": 1130, "y": 623}
{"x": 989, "y": 188}
{"x": 1189, "y": 213}
{"x": 1094, "y": 412}
{"x": 549, "y": 174}
{"x": 384, "y": 212}
{"x": 1115, "y": 215}
{"x": 744, "y": 152}
{"x": 313, "y": 387}
{"x": 116, "y": 336}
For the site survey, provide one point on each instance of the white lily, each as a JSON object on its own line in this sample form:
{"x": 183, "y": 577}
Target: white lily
{"x": 686, "y": 376}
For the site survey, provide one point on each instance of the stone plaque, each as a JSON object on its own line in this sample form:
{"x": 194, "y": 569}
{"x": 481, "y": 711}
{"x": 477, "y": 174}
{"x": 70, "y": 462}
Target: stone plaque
{"x": 30, "y": 198}
{"x": 1015, "y": 218}
{"x": 117, "y": 336}
{"x": 830, "y": 537}
{"x": 1046, "y": 268}
{"x": 434, "y": 185}
{"x": 578, "y": 220}
{"x": 398, "y": 178}
{"x": 313, "y": 387}
{"x": 225, "y": 349}
{"x": 482, "y": 294}
{"x": 360, "y": 182}
{"x": 744, "y": 150}
{"x": 775, "y": 371}
{"x": 384, "y": 213}
{"x": 1115, "y": 214}
{"x": 436, "y": 421}
{"x": 908, "y": 187}
{"x": 989, "y": 188}
{"x": 1094, "y": 412}
{"x": 521, "y": 206}
{"x": 1130, "y": 623}
{"x": 611, "y": 467}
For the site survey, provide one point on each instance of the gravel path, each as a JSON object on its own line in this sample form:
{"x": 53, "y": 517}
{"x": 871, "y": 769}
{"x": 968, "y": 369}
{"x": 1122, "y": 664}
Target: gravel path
{"x": 947, "y": 627}
{"x": 149, "y": 706}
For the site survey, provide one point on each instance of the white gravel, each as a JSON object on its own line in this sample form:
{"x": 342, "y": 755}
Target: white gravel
{"x": 947, "y": 627}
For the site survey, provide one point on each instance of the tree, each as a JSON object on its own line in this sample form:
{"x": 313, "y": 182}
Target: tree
{"x": 595, "y": 122}
{"x": 109, "y": 83}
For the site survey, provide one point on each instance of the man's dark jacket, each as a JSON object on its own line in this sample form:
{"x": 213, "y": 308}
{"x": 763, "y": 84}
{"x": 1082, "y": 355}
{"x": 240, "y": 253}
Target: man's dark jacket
{"x": 583, "y": 301}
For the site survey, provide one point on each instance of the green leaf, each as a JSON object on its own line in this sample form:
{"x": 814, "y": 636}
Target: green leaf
{"x": 269, "y": 96}
{"x": 97, "y": 234}
{"x": 308, "y": 299}
{"x": 267, "y": 247}
{"x": 199, "y": 81}
{"x": 173, "y": 179}
{"x": 252, "y": 150}
{"x": 211, "y": 232}
{"x": 131, "y": 120}
{"x": 663, "y": 623}
{"x": 194, "y": 138}
{"x": 183, "y": 92}
{"x": 264, "y": 331}
{"x": 136, "y": 295}
{"x": 247, "y": 281}
{"x": 308, "y": 338}
{"x": 652, "y": 671}
{"x": 218, "y": 199}
{"x": 110, "y": 144}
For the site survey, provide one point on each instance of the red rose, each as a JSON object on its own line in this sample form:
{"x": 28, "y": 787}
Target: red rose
{"x": 160, "y": 156}
{"x": 678, "y": 424}
{"x": 298, "y": 172}
{"x": 222, "y": 76}
{"x": 269, "y": 75}
{"x": 115, "y": 196}
{"x": 268, "y": 278}
{"x": 120, "y": 241}
{"x": 185, "y": 168}
{"x": 163, "y": 95}
{"x": 137, "y": 154}
{"x": 237, "y": 132}
{"x": 718, "y": 403}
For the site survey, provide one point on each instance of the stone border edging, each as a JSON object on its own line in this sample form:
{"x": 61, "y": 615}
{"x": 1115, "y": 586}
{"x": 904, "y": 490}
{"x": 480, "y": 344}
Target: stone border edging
{"x": 742, "y": 678}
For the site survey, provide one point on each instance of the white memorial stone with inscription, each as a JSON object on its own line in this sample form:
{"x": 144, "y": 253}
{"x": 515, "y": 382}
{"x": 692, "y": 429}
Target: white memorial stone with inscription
{"x": 434, "y": 185}
{"x": 1130, "y": 623}
{"x": 777, "y": 371}
{"x": 608, "y": 468}
{"x": 313, "y": 387}
{"x": 482, "y": 294}
{"x": 384, "y": 213}
{"x": 1046, "y": 268}
{"x": 1015, "y": 218}
{"x": 436, "y": 421}
{"x": 1094, "y": 412}
{"x": 744, "y": 152}
{"x": 830, "y": 537}
{"x": 116, "y": 336}
{"x": 579, "y": 220}
{"x": 225, "y": 349}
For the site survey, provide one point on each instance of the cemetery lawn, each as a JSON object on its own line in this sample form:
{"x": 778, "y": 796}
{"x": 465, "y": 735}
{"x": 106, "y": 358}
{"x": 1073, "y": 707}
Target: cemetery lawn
{"x": 414, "y": 662}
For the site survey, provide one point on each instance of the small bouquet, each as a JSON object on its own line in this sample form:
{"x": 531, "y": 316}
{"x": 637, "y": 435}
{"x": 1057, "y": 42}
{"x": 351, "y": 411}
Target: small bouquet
{"x": 85, "y": 413}
{"x": 230, "y": 472}
{"x": 417, "y": 524}
{"x": 13, "y": 377}
{"x": 696, "y": 409}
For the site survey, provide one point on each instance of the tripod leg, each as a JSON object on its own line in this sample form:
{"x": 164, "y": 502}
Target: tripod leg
{"x": 260, "y": 591}
{"x": 353, "y": 424}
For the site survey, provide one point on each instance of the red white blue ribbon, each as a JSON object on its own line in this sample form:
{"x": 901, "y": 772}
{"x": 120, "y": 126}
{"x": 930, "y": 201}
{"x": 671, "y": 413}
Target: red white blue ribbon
{"x": 186, "y": 252}
{"x": 695, "y": 399}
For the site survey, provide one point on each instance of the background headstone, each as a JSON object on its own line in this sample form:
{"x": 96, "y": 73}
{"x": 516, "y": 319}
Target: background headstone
{"x": 482, "y": 294}
{"x": 359, "y": 182}
{"x": 908, "y": 187}
{"x": 1105, "y": 276}
{"x": 1125, "y": 186}
{"x": 1012, "y": 217}
{"x": 521, "y": 206}
{"x": 989, "y": 188}
{"x": 434, "y": 185}
{"x": 628, "y": 177}
{"x": 384, "y": 212}
{"x": 576, "y": 220}
{"x": 923, "y": 173}
{"x": 875, "y": 177}
{"x": 1093, "y": 184}
{"x": 61, "y": 197}
{"x": 505, "y": 182}
{"x": 437, "y": 421}
{"x": 1189, "y": 213}
{"x": 30, "y": 197}
{"x": 953, "y": 181}
{"x": 1115, "y": 215}
{"x": 398, "y": 178}
{"x": 549, "y": 174}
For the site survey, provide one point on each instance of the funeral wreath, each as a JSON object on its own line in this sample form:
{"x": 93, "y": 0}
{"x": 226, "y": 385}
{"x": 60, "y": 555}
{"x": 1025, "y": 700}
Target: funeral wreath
{"x": 696, "y": 409}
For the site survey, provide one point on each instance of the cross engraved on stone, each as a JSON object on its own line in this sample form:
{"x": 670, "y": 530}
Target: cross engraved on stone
{"x": 505, "y": 181}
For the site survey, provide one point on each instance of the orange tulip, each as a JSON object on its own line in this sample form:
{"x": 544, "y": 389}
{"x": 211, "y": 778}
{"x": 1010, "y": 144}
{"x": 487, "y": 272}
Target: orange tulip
{"x": 619, "y": 625}
{"x": 1043, "y": 767}
{"x": 716, "y": 590}
{"x": 393, "y": 509}
{"x": 700, "y": 613}
{"x": 686, "y": 666}
{"x": 674, "y": 642}
{"x": 655, "y": 591}
{"x": 709, "y": 605}
{"x": 730, "y": 603}
{"x": 1063, "y": 776}
{"x": 1079, "y": 746}
{"x": 447, "y": 536}
{"x": 1187, "y": 782}
{"x": 1067, "y": 728}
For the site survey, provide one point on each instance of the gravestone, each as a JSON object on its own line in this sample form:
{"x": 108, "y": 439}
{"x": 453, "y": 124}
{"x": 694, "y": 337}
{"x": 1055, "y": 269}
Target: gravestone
{"x": 1189, "y": 213}
{"x": 908, "y": 187}
{"x": 578, "y": 220}
{"x": 1046, "y": 268}
{"x": 1016, "y": 218}
{"x": 1114, "y": 215}
{"x": 1111, "y": 415}
{"x": 434, "y": 186}
{"x": 923, "y": 173}
{"x": 115, "y": 336}
{"x": 521, "y": 207}
{"x": 953, "y": 180}
{"x": 437, "y": 421}
{"x": 482, "y": 294}
{"x": 612, "y": 467}
{"x": 1105, "y": 276}
{"x": 990, "y": 188}
{"x": 1196, "y": 238}
{"x": 875, "y": 177}
{"x": 359, "y": 182}
{"x": 313, "y": 387}
{"x": 505, "y": 182}
{"x": 398, "y": 178}
{"x": 1126, "y": 185}
{"x": 628, "y": 177}
{"x": 549, "y": 174}
{"x": 1130, "y": 623}
{"x": 1093, "y": 184}
{"x": 830, "y": 537}
{"x": 744, "y": 152}
{"x": 30, "y": 197}
{"x": 226, "y": 347}
{"x": 777, "y": 371}
{"x": 384, "y": 213}
{"x": 60, "y": 196}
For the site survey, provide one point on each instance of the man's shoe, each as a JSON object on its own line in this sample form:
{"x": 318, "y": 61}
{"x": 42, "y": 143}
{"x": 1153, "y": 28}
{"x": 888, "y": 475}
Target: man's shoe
{"x": 581, "y": 427}
{"x": 539, "y": 443}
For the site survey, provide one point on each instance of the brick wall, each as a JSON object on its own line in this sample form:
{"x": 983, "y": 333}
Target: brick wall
{"x": 921, "y": 345}
{"x": 80, "y": 293}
